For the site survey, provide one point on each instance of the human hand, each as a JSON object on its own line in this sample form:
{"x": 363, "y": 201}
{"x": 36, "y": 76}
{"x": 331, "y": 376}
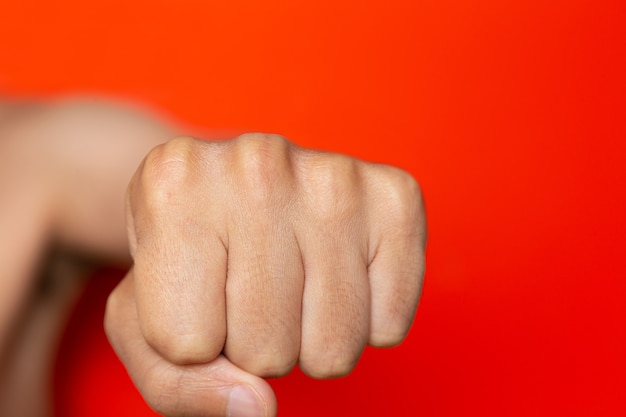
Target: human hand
{"x": 253, "y": 255}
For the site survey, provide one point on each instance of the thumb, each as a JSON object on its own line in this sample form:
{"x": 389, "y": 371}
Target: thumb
{"x": 214, "y": 389}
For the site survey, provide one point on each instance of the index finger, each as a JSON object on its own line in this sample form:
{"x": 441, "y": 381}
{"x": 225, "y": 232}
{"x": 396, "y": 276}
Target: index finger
{"x": 180, "y": 259}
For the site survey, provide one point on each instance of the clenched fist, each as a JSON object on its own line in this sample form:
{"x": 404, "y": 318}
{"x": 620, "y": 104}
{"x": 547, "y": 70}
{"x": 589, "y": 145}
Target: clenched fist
{"x": 254, "y": 255}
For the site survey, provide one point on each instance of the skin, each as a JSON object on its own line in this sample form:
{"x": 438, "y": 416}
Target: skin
{"x": 249, "y": 256}
{"x": 64, "y": 169}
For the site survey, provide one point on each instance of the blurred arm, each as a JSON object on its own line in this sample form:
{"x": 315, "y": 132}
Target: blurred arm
{"x": 64, "y": 168}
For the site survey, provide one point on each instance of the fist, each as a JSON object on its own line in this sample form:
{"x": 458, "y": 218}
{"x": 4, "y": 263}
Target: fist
{"x": 254, "y": 255}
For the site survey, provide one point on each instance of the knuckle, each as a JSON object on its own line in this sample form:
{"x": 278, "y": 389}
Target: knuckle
{"x": 259, "y": 144}
{"x": 168, "y": 168}
{"x": 329, "y": 364}
{"x": 405, "y": 194}
{"x": 266, "y": 365}
{"x": 334, "y": 189}
{"x": 255, "y": 139}
{"x": 391, "y": 335}
{"x": 262, "y": 162}
{"x": 398, "y": 197}
{"x": 265, "y": 353}
{"x": 182, "y": 349}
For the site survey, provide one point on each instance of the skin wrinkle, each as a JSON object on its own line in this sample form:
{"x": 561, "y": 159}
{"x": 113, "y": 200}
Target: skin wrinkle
{"x": 187, "y": 381}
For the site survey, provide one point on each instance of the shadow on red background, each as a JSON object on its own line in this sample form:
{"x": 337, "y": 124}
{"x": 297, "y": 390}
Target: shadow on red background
{"x": 510, "y": 114}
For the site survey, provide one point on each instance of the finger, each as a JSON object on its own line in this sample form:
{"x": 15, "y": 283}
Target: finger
{"x": 264, "y": 293}
{"x": 180, "y": 259}
{"x": 265, "y": 275}
{"x": 335, "y": 306}
{"x": 335, "y": 310}
{"x": 215, "y": 389}
{"x": 396, "y": 268}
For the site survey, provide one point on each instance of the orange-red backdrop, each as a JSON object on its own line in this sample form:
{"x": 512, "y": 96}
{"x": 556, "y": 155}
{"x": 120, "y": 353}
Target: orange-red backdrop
{"x": 510, "y": 114}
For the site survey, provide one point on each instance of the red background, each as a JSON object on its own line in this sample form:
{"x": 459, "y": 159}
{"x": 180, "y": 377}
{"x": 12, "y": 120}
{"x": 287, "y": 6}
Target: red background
{"x": 509, "y": 113}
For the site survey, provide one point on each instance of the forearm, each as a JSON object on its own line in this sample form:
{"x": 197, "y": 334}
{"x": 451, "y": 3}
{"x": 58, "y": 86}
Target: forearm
{"x": 85, "y": 152}
{"x": 24, "y": 215}
{"x": 64, "y": 169}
